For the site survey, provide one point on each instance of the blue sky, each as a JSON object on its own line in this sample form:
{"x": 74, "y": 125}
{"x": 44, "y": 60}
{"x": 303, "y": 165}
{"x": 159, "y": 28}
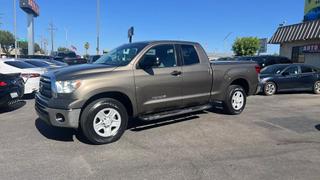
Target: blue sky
{"x": 204, "y": 21}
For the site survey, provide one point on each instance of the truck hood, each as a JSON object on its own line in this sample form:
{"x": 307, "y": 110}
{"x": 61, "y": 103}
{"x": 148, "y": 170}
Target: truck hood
{"x": 81, "y": 71}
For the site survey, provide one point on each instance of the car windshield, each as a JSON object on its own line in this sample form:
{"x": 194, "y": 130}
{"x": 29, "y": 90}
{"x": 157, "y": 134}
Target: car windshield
{"x": 122, "y": 55}
{"x": 57, "y": 63}
{"x": 273, "y": 69}
{"x": 20, "y": 64}
{"x": 38, "y": 63}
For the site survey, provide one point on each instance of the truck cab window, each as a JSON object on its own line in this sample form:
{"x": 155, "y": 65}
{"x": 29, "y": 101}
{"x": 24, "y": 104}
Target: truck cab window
{"x": 163, "y": 56}
{"x": 190, "y": 55}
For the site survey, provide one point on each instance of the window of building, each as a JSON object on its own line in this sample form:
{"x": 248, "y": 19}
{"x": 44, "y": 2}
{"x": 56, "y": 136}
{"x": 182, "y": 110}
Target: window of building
{"x": 297, "y": 54}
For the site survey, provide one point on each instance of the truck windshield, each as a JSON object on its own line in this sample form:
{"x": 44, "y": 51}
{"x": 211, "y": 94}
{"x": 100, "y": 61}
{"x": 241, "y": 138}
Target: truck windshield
{"x": 122, "y": 55}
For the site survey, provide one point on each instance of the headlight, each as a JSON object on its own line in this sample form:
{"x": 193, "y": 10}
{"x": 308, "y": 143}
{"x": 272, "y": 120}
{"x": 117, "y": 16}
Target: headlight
{"x": 67, "y": 86}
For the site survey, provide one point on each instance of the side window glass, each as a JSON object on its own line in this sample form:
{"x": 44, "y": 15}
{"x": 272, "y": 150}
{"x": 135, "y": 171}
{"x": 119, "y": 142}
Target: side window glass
{"x": 189, "y": 55}
{"x": 162, "y": 56}
{"x": 292, "y": 70}
{"x": 306, "y": 69}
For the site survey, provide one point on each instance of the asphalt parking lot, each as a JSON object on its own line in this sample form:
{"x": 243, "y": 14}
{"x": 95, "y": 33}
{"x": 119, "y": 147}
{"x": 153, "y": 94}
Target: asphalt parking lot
{"x": 275, "y": 138}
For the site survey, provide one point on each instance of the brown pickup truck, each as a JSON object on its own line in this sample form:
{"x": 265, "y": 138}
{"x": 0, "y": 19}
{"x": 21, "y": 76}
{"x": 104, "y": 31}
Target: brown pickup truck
{"x": 146, "y": 80}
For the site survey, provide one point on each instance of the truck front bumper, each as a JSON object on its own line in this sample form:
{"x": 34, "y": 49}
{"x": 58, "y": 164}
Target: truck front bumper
{"x": 57, "y": 117}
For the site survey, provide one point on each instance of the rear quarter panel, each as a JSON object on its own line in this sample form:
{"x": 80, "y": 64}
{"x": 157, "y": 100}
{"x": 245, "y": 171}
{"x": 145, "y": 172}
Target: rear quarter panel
{"x": 224, "y": 73}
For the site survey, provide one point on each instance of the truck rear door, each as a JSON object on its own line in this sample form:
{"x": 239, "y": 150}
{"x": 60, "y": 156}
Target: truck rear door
{"x": 196, "y": 76}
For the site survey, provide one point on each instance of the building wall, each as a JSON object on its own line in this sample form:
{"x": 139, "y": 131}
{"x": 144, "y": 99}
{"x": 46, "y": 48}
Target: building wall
{"x": 312, "y": 59}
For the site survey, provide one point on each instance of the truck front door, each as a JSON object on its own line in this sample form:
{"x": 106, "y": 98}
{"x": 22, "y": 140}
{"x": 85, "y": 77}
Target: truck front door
{"x": 159, "y": 88}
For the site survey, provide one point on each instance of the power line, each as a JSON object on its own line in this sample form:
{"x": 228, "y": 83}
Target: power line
{"x": 51, "y": 30}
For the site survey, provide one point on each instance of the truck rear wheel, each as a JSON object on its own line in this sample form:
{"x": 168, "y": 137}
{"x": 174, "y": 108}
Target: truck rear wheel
{"x": 235, "y": 101}
{"x": 104, "y": 121}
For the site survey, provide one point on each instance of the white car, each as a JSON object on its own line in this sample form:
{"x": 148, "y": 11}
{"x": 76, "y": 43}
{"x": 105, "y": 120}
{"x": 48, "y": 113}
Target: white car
{"x": 29, "y": 73}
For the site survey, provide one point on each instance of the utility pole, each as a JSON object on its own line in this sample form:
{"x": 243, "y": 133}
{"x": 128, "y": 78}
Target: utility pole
{"x": 45, "y": 46}
{"x": 66, "y": 33}
{"x": 52, "y": 29}
{"x": 15, "y": 28}
{"x": 98, "y": 27}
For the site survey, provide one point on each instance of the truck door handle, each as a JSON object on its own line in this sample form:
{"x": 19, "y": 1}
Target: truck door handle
{"x": 176, "y": 73}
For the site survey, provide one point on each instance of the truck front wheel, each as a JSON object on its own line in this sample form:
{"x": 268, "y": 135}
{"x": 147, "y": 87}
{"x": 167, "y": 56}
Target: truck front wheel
{"x": 235, "y": 100}
{"x": 104, "y": 121}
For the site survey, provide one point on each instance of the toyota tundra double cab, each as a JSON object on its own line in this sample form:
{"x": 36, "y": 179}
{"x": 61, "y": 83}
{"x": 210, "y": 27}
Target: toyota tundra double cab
{"x": 147, "y": 80}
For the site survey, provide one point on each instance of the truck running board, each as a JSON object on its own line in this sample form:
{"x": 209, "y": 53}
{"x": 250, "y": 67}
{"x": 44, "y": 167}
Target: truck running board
{"x": 175, "y": 112}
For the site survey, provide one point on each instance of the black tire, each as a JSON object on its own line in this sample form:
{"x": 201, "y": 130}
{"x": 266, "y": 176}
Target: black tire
{"x": 13, "y": 105}
{"x": 228, "y": 107}
{"x": 89, "y": 113}
{"x": 267, "y": 89}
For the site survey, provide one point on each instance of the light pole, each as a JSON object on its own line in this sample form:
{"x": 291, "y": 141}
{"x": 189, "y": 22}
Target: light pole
{"x": 66, "y": 33}
{"x": 15, "y": 28}
{"x": 98, "y": 27}
{"x": 52, "y": 29}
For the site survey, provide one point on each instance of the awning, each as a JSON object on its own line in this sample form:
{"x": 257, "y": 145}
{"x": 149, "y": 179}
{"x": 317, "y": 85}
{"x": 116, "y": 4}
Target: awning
{"x": 303, "y": 31}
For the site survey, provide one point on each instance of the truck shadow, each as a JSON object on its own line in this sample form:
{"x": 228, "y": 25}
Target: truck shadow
{"x": 137, "y": 125}
{"x": 134, "y": 125}
{"x": 59, "y": 134}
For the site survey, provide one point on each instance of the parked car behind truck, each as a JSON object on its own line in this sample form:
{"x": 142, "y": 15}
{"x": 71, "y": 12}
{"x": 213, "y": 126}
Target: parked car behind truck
{"x": 11, "y": 90}
{"x": 289, "y": 77}
{"x": 30, "y": 73}
{"x": 149, "y": 80}
{"x": 266, "y": 60}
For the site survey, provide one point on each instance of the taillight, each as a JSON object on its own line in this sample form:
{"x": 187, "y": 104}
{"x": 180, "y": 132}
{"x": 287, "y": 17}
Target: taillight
{"x": 258, "y": 69}
{"x": 2, "y": 84}
{"x": 30, "y": 75}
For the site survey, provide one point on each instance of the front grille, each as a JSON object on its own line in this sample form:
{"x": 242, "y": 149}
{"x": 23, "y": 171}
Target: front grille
{"x": 41, "y": 106}
{"x": 45, "y": 87}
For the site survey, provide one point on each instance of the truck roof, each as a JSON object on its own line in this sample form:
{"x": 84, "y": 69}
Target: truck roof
{"x": 167, "y": 41}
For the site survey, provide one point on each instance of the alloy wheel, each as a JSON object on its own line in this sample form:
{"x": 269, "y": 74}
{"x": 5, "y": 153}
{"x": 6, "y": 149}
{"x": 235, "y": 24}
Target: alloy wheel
{"x": 317, "y": 87}
{"x": 237, "y": 100}
{"x": 270, "y": 88}
{"x": 107, "y": 122}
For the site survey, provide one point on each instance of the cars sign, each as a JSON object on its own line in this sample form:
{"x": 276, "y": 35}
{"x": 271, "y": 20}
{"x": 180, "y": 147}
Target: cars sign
{"x": 30, "y": 7}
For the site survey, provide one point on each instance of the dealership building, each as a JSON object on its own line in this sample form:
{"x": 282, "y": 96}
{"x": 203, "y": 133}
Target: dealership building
{"x": 301, "y": 42}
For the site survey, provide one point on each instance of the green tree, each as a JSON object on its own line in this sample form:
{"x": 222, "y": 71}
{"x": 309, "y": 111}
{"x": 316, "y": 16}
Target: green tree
{"x": 63, "y": 49}
{"x": 246, "y": 46}
{"x": 23, "y": 45}
{"x": 6, "y": 41}
{"x": 86, "y": 46}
